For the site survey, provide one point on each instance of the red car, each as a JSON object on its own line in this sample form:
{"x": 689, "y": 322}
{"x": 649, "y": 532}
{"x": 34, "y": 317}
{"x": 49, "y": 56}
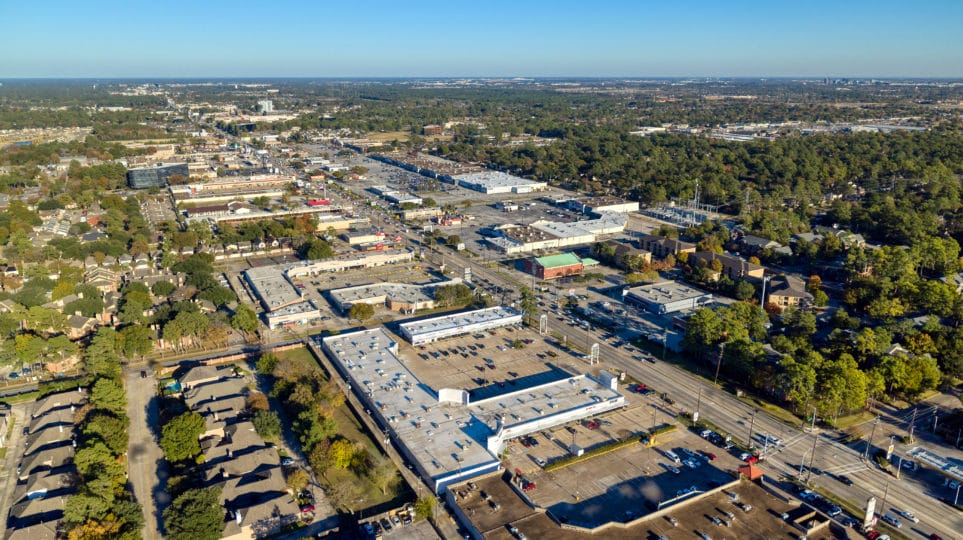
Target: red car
{"x": 710, "y": 456}
{"x": 592, "y": 425}
{"x": 307, "y": 508}
{"x": 642, "y": 389}
{"x": 752, "y": 459}
{"x": 528, "y": 486}
{"x": 873, "y": 535}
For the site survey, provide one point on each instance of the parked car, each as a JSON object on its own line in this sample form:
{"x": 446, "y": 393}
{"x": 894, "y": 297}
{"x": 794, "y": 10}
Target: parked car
{"x": 307, "y": 508}
{"x": 287, "y": 462}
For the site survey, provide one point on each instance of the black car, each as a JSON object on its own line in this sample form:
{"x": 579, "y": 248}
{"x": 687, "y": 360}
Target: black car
{"x": 844, "y": 479}
{"x": 386, "y": 524}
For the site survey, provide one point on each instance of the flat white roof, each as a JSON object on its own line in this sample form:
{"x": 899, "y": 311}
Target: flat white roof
{"x": 452, "y": 438}
{"x": 666, "y": 291}
{"x": 443, "y": 438}
{"x": 493, "y": 179}
{"x": 447, "y": 323}
{"x": 295, "y": 309}
{"x": 272, "y": 287}
{"x": 400, "y": 292}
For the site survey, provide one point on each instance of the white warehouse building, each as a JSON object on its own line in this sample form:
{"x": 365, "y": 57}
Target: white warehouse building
{"x": 446, "y": 326}
{"x": 447, "y": 437}
{"x": 491, "y": 182}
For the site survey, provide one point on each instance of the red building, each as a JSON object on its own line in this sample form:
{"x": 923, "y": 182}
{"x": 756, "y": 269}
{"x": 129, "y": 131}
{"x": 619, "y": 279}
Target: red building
{"x": 553, "y": 266}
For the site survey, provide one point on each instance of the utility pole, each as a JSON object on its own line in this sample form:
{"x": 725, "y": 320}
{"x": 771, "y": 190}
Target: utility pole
{"x": 812, "y": 456}
{"x": 695, "y": 417}
{"x": 912, "y": 424}
{"x": 869, "y": 443}
{"x": 936, "y": 419}
{"x": 882, "y": 507}
{"x": 722, "y": 352}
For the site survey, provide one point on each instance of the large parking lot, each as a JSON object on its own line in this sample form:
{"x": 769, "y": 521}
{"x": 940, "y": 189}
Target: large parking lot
{"x": 486, "y": 363}
{"x": 624, "y": 484}
{"x": 617, "y": 486}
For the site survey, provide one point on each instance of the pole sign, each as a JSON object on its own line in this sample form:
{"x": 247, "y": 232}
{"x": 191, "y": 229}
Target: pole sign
{"x": 870, "y": 518}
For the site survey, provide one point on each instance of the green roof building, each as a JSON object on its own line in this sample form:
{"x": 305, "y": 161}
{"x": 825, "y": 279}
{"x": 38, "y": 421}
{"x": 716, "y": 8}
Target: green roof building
{"x": 553, "y": 266}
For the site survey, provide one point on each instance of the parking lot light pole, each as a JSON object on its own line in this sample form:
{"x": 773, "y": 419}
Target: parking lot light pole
{"x": 957, "y": 497}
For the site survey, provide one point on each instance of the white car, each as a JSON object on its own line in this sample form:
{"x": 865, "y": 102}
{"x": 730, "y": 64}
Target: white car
{"x": 909, "y": 515}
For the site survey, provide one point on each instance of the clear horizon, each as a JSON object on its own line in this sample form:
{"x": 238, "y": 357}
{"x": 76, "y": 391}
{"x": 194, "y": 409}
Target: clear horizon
{"x": 110, "y": 39}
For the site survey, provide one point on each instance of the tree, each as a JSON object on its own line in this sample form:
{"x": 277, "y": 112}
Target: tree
{"x": 195, "y": 515}
{"x": 799, "y": 323}
{"x": 101, "y": 358}
{"x": 344, "y": 494}
{"x": 266, "y": 363}
{"x": 138, "y": 340}
{"x": 704, "y": 330}
{"x": 244, "y": 319}
{"x": 256, "y": 401}
{"x": 110, "y": 429}
{"x": 797, "y": 381}
{"x": 298, "y": 480}
{"x": 383, "y": 474}
{"x": 361, "y": 311}
{"x": 316, "y": 248}
{"x": 341, "y": 453}
{"x": 109, "y": 395}
{"x": 162, "y": 288}
{"x": 425, "y": 506}
{"x": 528, "y": 303}
{"x": 452, "y": 295}
{"x": 101, "y": 472}
{"x": 132, "y": 312}
{"x": 217, "y": 295}
{"x": 267, "y": 424}
{"x": 744, "y": 290}
{"x": 81, "y": 507}
{"x": 179, "y": 438}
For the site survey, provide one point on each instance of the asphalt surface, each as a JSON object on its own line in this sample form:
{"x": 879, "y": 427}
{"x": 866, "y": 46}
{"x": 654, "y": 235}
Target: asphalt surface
{"x": 15, "y": 449}
{"x": 146, "y": 468}
{"x": 736, "y": 417}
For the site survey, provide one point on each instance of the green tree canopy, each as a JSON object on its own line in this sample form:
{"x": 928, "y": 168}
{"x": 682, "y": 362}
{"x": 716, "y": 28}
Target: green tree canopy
{"x": 195, "y": 515}
{"x": 361, "y": 311}
{"x": 179, "y": 438}
{"x": 109, "y": 395}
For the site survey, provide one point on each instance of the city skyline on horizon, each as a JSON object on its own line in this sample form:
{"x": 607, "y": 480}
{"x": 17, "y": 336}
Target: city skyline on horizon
{"x": 566, "y": 39}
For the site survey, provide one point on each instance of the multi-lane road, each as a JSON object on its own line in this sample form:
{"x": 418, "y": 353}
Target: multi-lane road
{"x": 691, "y": 393}
{"x": 736, "y": 417}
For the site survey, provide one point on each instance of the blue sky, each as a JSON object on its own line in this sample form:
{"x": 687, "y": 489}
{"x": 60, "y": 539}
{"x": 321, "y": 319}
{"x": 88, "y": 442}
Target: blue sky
{"x": 412, "y": 38}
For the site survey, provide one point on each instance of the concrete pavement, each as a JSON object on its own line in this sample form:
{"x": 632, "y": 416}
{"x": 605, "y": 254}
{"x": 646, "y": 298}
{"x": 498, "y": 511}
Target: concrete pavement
{"x": 146, "y": 467}
{"x": 737, "y": 418}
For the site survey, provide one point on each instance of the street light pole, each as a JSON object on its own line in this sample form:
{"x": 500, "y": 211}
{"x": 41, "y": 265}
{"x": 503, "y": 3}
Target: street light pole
{"x": 869, "y": 442}
{"x": 752, "y": 420}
